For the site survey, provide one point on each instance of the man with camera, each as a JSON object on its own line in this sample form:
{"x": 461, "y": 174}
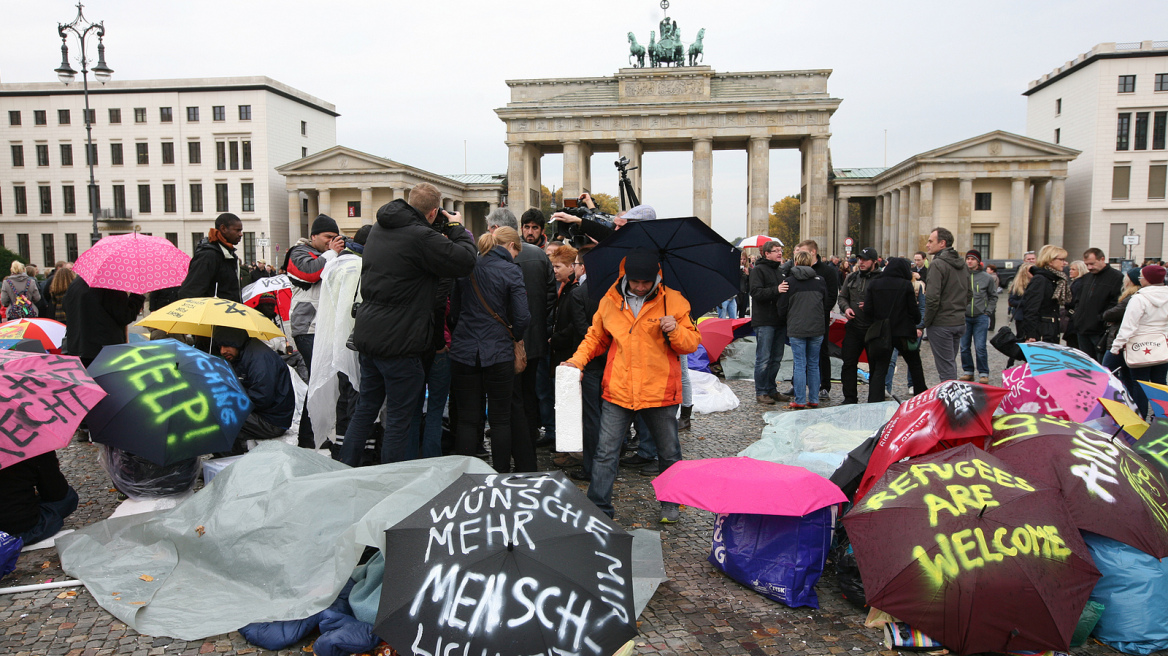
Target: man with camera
{"x": 405, "y": 259}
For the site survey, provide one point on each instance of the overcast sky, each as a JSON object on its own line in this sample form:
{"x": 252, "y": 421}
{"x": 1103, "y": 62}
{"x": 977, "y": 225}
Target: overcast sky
{"x": 413, "y": 81}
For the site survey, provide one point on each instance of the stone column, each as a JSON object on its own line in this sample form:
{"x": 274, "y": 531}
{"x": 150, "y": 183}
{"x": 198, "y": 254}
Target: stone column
{"x": 1058, "y": 192}
{"x": 571, "y": 187}
{"x": 460, "y": 207}
{"x": 817, "y": 200}
{"x": 313, "y": 206}
{"x": 367, "y": 209}
{"x": 925, "y": 212}
{"x": 759, "y": 185}
{"x": 908, "y": 227}
{"x": 325, "y": 202}
{"x": 886, "y": 238}
{"x": 632, "y": 149}
{"x": 895, "y": 227}
{"x": 448, "y": 204}
{"x": 523, "y": 176}
{"x": 294, "y": 229}
{"x": 878, "y": 225}
{"x": 585, "y": 150}
{"x": 914, "y": 218}
{"x": 842, "y": 205}
{"x": 1038, "y": 236}
{"x": 1017, "y": 218}
{"x": 703, "y": 179}
{"x": 964, "y": 234}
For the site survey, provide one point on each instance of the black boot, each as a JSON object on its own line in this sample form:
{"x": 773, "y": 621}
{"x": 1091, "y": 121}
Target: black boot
{"x": 683, "y": 421}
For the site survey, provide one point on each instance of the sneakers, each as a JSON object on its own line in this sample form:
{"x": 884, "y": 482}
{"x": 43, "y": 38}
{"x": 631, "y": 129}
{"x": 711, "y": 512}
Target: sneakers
{"x": 764, "y": 399}
{"x": 984, "y": 380}
{"x": 651, "y": 469}
{"x": 966, "y": 377}
{"x": 636, "y": 460}
{"x": 824, "y": 395}
{"x": 670, "y": 513}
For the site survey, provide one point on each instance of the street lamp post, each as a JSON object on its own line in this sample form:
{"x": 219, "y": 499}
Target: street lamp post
{"x": 81, "y": 28}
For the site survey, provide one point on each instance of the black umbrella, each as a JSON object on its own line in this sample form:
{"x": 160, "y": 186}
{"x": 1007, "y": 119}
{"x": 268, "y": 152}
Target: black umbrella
{"x": 508, "y": 564}
{"x": 695, "y": 260}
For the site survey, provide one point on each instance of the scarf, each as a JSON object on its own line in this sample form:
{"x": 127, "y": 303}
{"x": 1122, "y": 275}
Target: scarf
{"x": 213, "y": 236}
{"x": 1062, "y": 289}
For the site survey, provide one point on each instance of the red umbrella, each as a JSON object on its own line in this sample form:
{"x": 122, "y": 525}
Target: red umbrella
{"x": 945, "y": 416}
{"x": 717, "y": 333}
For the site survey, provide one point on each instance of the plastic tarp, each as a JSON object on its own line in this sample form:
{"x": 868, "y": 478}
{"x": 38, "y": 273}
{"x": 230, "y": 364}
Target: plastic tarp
{"x": 330, "y": 356}
{"x": 10, "y": 547}
{"x": 818, "y": 439}
{"x": 777, "y": 556}
{"x": 738, "y": 361}
{"x": 699, "y": 360}
{"x": 1134, "y": 594}
{"x": 275, "y": 536}
{"x": 711, "y": 394}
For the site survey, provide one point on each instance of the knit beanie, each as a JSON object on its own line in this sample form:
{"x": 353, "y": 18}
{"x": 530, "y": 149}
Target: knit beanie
{"x": 641, "y": 264}
{"x": 973, "y": 252}
{"x": 1154, "y": 274}
{"x": 1133, "y": 274}
{"x": 324, "y": 223}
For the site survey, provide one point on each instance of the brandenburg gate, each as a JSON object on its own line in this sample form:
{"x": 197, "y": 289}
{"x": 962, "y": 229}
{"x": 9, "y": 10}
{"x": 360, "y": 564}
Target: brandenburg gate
{"x": 681, "y": 108}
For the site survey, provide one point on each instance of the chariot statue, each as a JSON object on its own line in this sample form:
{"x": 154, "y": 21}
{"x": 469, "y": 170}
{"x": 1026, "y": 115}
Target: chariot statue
{"x": 669, "y": 50}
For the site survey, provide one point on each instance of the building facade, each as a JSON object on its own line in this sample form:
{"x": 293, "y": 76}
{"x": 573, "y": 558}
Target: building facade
{"x": 1111, "y": 103}
{"x": 169, "y": 155}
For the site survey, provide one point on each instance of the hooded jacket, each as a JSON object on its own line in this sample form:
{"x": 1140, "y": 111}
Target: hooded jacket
{"x": 852, "y": 294}
{"x": 890, "y": 296}
{"x": 984, "y": 294}
{"x": 263, "y": 375}
{"x": 1038, "y": 314}
{"x": 947, "y": 292}
{"x": 1099, "y": 292}
{"x": 213, "y": 272}
{"x": 305, "y": 265}
{"x": 801, "y": 307}
{"x": 479, "y": 340}
{"x": 642, "y": 368}
{"x": 1147, "y": 312}
{"x": 765, "y": 279}
{"x": 404, "y": 260}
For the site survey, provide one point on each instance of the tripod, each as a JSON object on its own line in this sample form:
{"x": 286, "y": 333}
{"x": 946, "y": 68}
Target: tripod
{"x": 628, "y": 197}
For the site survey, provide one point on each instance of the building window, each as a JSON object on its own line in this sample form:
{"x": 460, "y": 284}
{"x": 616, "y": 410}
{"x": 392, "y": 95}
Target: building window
{"x": 1153, "y": 241}
{"x": 94, "y": 198}
{"x": 119, "y": 201}
{"x": 246, "y": 147}
{"x": 69, "y": 199}
{"x": 249, "y": 247}
{"x": 983, "y": 201}
{"x": 116, "y": 154}
{"x": 1120, "y": 182}
{"x": 1127, "y": 83}
{"x": 245, "y": 112}
{"x": 354, "y": 208}
{"x": 196, "y": 237}
{"x": 1157, "y": 173}
{"x": 192, "y": 114}
{"x": 63, "y": 117}
{"x": 90, "y": 116}
{"x": 115, "y": 116}
{"x": 46, "y": 194}
{"x": 13, "y": 117}
{"x": 196, "y": 197}
{"x": 221, "y": 155}
{"x": 91, "y": 154}
{"x": 42, "y": 151}
{"x": 1122, "y": 131}
{"x": 49, "y": 249}
{"x": 66, "y": 154}
{"x": 1057, "y": 135}
{"x": 165, "y": 114}
{"x": 233, "y": 148}
{"x": 221, "y": 204}
{"x": 194, "y": 152}
{"x": 71, "y": 246}
{"x": 172, "y": 237}
{"x": 169, "y": 199}
{"x": 1141, "y": 131}
{"x": 143, "y": 149}
{"x": 144, "y": 199}
{"x": 981, "y": 243}
{"x": 22, "y": 247}
{"x": 17, "y": 155}
{"x": 1058, "y": 106}
{"x": 304, "y": 128}
{"x": 40, "y": 117}
{"x": 168, "y": 152}
{"x": 218, "y": 113}
{"x": 304, "y": 206}
{"x": 247, "y": 190}
{"x": 19, "y": 199}
{"x": 303, "y": 151}
{"x": 1159, "y": 123}
{"x": 139, "y": 114}
{"x": 1161, "y": 81}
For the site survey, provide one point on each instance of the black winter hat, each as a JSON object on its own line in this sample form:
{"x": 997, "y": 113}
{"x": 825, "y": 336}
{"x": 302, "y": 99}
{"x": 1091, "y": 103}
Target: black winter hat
{"x": 642, "y": 264}
{"x": 229, "y": 336}
{"x": 324, "y": 223}
{"x": 974, "y": 253}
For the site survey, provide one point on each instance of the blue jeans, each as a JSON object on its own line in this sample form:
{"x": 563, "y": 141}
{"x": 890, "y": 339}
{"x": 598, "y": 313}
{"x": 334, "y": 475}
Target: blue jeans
{"x": 806, "y": 378}
{"x": 728, "y": 309}
{"x": 646, "y": 445}
{"x": 437, "y": 391}
{"x": 975, "y": 332}
{"x": 590, "y": 396}
{"x": 397, "y": 382}
{"x": 768, "y": 354}
{"x": 1128, "y": 376}
{"x": 614, "y": 421}
{"x": 53, "y": 514}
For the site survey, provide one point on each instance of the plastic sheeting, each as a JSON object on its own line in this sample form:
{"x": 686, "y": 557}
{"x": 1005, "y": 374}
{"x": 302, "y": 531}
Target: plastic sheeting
{"x": 710, "y": 394}
{"x": 569, "y": 410}
{"x": 10, "y": 547}
{"x": 330, "y": 356}
{"x": 818, "y": 439}
{"x": 699, "y": 360}
{"x": 273, "y": 537}
{"x": 1134, "y": 594}
{"x": 138, "y": 478}
{"x": 738, "y": 361}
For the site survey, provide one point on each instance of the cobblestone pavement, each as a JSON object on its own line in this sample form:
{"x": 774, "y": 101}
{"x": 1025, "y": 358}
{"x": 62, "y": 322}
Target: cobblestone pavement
{"x": 697, "y": 611}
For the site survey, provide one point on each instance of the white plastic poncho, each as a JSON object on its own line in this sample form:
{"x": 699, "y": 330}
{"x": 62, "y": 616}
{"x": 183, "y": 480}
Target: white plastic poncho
{"x": 334, "y": 324}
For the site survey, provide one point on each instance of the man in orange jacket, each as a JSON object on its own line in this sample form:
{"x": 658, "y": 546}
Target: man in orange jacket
{"x": 645, "y": 327}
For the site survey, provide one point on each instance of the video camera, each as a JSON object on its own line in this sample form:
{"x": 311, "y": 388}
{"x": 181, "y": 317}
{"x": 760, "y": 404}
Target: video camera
{"x": 569, "y": 233}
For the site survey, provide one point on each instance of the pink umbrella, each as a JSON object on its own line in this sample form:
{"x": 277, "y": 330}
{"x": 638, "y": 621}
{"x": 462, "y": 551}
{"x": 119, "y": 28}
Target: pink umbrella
{"x": 48, "y": 332}
{"x": 133, "y": 263}
{"x": 1063, "y": 393}
{"x": 746, "y": 485}
{"x": 43, "y": 398}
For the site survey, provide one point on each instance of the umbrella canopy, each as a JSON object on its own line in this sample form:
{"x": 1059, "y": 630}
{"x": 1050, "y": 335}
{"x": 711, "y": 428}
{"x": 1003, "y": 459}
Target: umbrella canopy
{"x": 1062, "y": 382}
{"x": 695, "y": 260}
{"x": 46, "y": 331}
{"x": 167, "y": 401}
{"x": 199, "y": 316}
{"x": 508, "y": 564}
{"x": 43, "y": 398}
{"x": 1153, "y": 446}
{"x": 718, "y": 333}
{"x": 133, "y": 263}
{"x": 1108, "y": 488}
{"x": 961, "y": 548}
{"x": 757, "y": 241}
{"x": 1124, "y": 417}
{"x": 26, "y": 345}
{"x": 265, "y": 285}
{"x": 945, "y": 416}
{"x": 746, "y": 485}
{"x": 1157, "y": 397}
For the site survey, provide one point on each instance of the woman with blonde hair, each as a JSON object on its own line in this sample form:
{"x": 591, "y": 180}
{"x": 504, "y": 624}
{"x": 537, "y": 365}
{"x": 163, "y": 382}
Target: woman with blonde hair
{"x": 1076, "y": 270}
{"x": 16, "y": 286}
{"x": 1047, "y": 294}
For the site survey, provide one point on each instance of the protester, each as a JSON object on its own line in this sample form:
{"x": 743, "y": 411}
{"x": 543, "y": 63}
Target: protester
{"x": 36, "y": 498}
{"x": 405, "y": 258}
{"x": 97, "y": 317}
{"x": 770, "y": 334}
{"x": 1048, "y": 292}
{"x": 984, "y": 293}
{"x": 647, "y": 327}
{"x": 47, "y": 284}
{"x": 533, "y": 228}
{"x": 1014, "y": 302}
{"x": 891, "y": 297}
{"x": 563, "y": 340}
{"x": 920, "y": 265}
{"x": 265, "y": 378}
{"x": 58, "y": 290}
{"x": 946, "y": 297}
{"x": 1113, "y": 318}
{"x": 851, "y": 303}
{"x": 42, "y": 303}
{"x": 830, "y": 275}
{"x": 19, "y": 293}
{"x": 800, "y": 308}
{"x": 1146, "y": 316}
{"x": 214, "y": 268}
{"x": 1077, "y": 271}
{"x": 1100, "y": 292}
{"x": 913, "y": 344}
{"x": 569, "y": 332}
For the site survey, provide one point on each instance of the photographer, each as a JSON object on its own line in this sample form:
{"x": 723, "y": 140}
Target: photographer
{"x": 584, "y": 225}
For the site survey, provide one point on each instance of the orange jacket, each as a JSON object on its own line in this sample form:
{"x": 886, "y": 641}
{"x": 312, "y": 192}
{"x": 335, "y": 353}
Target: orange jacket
{"x": 642, "y": 369}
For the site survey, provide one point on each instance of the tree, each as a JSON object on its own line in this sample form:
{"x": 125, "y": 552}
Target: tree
{"x": 784, "y": 222}
{"x": 6, "y": 258}
{"x": 606, "y": 203}
{"x": 546, "y": 200}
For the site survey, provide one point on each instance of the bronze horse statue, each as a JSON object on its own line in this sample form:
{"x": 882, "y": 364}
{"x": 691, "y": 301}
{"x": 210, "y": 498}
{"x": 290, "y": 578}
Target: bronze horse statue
{"x": 695, "y": 51}
{"x": 636, "y": 50}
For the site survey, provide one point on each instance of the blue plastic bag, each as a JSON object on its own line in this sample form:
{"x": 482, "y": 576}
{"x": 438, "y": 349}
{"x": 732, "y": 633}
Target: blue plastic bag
{"x": 1134, "y": 593}
{"x": 779, "y": 557}
{"x": 10, "y": 547}
{"x": 699, "y": 360}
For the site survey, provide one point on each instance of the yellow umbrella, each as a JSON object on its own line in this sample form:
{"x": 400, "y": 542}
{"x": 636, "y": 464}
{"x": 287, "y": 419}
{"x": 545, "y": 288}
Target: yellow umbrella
{"x": 1125, "y": 417}
{"x": 199, "y": 316}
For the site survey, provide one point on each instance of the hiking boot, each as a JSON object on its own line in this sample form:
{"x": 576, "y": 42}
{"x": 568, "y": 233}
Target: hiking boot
{"x": 683, "y": 422}
{"x": 636, "y": 460}
{"x": 578, "y": 474}
{"x": 670, "y": 514}
{"x": 984, "y": 380}
{"x": 764, "y": 399}
{"x": 651, "y": 469}
{"x": 779, "y": 397}
{"x": 966, "y": 377}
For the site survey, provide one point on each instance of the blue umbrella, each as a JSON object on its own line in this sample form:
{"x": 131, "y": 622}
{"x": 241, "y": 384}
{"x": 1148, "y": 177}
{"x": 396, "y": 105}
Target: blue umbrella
{"x": 695, "y": 260}
{"x": 167, "y": 401}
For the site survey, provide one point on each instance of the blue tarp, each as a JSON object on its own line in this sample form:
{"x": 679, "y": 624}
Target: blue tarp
{"x": 1134, "y": 593}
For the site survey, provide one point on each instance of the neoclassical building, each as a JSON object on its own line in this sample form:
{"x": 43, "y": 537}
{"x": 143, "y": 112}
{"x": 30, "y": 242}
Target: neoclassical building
{"x": 999, "y": 192}
{"x": 350, "y": 185}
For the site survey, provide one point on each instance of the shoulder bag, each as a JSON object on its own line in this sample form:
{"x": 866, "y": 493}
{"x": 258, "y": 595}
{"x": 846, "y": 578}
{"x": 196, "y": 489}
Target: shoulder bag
{"x": 520, "y": 349}
{"x": 1145, "y": 350}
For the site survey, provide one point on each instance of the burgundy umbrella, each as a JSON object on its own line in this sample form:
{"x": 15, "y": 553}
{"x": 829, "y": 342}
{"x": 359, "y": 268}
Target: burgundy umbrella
{"x": 963, "y": 549}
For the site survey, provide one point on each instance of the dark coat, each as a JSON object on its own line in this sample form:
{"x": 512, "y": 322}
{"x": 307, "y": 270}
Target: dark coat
{"x": 890, "y": 296}
{"x": 831, "y": 277}
{"x": 540, "y": 281}
{"x": 24, "y": 485}
{"x": 802, "y": 306}
{"x": 266, "y": 380}
{"x": 563, "y": 340}
{"x": 97, "y": 317}
{"x": 765, "y": 279}
{"x": 580, "y": 308}
{"x": 214, "y": 271}
{"x": 853, "y": 292}
{"x": 403, "y": 262}
{"x": 478, "y": 339}
{"x": 1099, "y": 292}
{"x": 1039, "y": 315}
